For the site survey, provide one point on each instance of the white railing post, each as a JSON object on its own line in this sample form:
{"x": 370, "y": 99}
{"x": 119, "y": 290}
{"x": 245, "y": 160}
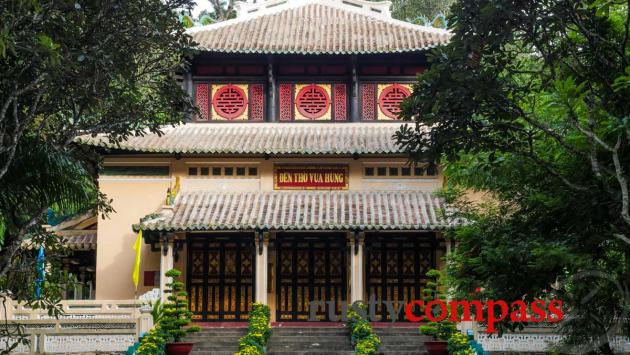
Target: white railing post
{"x": 145, "y": 321}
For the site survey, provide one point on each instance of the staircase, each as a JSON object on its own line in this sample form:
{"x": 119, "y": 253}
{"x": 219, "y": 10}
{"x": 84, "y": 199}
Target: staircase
{"x": 216, "y": 341}
{"x": 401, "y": 341}
{"x": 309, "y": 340}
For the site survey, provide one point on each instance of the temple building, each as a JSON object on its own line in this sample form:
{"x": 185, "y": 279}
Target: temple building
{"x": 288, "y": 186}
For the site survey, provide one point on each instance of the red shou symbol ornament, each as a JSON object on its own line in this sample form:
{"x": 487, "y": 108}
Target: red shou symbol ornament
{"x": 229, "y": 101}
{"x": 312, "y": 101}
{"x": 390, "y": 99}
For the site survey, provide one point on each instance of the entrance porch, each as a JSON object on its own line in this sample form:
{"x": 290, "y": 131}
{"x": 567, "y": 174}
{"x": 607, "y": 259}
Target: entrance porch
{"x": 307, "y": 254}
{"x": 302, "y": 276}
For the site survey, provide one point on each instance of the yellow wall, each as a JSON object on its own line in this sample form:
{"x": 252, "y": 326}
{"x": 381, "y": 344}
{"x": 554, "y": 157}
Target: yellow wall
{"x": 135, "y": 197}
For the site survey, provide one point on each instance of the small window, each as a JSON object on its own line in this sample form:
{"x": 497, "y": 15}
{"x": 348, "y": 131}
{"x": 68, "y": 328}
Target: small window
{"x": 192, "y": 171}
{"x": 205, "y": 171}
{"x": 252, "y": 171}
{"x": 240, "y": 171}
{"x": 216, "y": 171}
{"x": 400, "y": 171}
{"x": 229, "y": 171}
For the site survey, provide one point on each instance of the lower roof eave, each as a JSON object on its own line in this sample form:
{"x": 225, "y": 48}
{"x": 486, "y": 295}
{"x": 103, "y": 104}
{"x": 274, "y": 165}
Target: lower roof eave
{"x": 291, "y": 229}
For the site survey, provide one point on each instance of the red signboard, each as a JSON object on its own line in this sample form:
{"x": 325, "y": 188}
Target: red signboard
{"x": 324, "y": 177}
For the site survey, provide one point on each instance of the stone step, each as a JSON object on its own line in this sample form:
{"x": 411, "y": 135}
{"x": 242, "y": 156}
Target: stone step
{"x": 216, "y": 341}
{"x": 311, "y": 352}
{"x": 309, "y": 345}
{"x": 397, "y": 330}
{"x": 405, "y": 347}
{"x": 401, "y": 341}
{"x": 213, "y": 349}
{"x": 309, "y": 335}
{"x": 222, "y": 342}
{"x": 215, "y": 336}
{"x": 307, "y": 340}
{"x": 313, "y": 329}
{"x": 221, "y": 331}
{"x": 405, "y": 336}
{"x": 232, "y": 348}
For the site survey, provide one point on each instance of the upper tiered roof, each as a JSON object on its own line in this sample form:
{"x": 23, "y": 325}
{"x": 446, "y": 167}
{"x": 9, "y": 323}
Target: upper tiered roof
{"x": 263, "y": 138}
{"x": 316, "y": 27}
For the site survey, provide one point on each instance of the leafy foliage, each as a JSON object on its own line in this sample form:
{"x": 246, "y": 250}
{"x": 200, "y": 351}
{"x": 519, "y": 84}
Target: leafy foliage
{"x": 458, "y": 345}
{"x": 157, "y": 311}
{"x": 365, "y": 341}
{"x": 529, "y": 104}
{"x": 69, "y": 68}
{"x": 434, "y": 290}
{"x": 153, "y": 342}
{"x": 175, "y": 312}
{"x": 258, "y": 331}
{"x": 424, "y": 12}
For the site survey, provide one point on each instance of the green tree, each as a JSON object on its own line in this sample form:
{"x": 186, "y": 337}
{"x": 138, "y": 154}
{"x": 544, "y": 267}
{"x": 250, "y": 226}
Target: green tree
{"x": 70, "y": 68}
{"x": 529, "y": 103}
{"x": 421, "y": 11}
{"x": 221, "y": 10}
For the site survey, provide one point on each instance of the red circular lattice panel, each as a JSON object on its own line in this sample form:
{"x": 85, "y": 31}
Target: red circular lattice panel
{"x": 390, "y": 98}
{"x": 229, "y": 101}
{"x": 312, "y": 101}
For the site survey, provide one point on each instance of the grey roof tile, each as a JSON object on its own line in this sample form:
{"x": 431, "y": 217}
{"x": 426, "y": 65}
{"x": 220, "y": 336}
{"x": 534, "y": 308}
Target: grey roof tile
{"x": 316, "y": 28}
{"x": 301, "y": 210}
{"x": 263, "y": 138}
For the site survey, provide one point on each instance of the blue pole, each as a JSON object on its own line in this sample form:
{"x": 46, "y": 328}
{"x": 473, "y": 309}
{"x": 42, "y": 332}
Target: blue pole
{"x": 41, "y": 272}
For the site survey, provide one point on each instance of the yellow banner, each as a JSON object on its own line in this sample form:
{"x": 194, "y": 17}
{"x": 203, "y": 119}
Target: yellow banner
{"x": 137, "y": 246}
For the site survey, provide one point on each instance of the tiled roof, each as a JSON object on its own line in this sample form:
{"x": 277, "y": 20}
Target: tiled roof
{"x": 263, "y": 138}
{"x": 316, "y": 27}
{"x": 82, "y": 241}
{"x": 301, "y": 210}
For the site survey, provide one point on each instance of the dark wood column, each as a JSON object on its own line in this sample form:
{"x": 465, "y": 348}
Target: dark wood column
{"x": 354, "y": 88}
{"x": 271, "y": 91}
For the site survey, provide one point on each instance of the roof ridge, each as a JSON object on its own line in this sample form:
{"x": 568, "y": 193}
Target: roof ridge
{"x": 295, "y": 5}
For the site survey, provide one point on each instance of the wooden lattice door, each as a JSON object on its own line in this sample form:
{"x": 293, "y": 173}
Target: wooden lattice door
{"x": 396, "y": 268}
{"x": 310, "y": 269}
{"x": 220, "y": 277}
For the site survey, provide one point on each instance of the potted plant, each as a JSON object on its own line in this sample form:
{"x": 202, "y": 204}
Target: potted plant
{"x": 176, "y": 316}
{"x": 440, "y": 331}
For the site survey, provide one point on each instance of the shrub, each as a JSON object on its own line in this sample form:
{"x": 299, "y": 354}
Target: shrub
{"x": 433, "y": 291}
{"x": 458, "y": 345}
{"x": 258, "y": 331}
{"x": 363, "y": 338}
{"x": 153, "y": 342}
{"x": 175, "y": 313}
{"x": 157, "y": 310}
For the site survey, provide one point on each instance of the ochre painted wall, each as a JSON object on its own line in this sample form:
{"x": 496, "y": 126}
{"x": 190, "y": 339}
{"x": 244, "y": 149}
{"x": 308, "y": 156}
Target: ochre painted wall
{"x": 135, "y": 197}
